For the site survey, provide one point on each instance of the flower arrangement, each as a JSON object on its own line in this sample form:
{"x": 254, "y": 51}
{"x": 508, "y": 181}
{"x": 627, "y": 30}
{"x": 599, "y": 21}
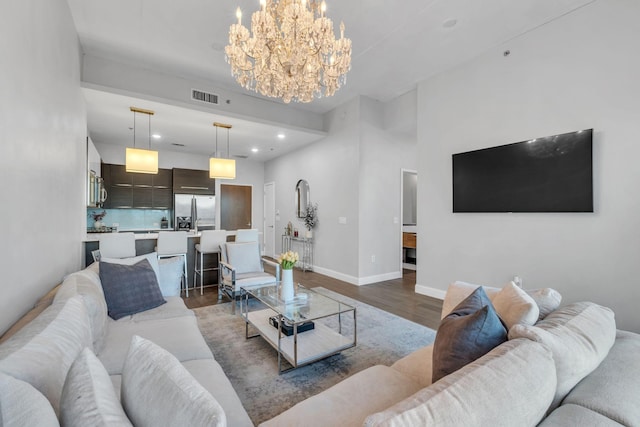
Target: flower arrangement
{"x": 97, "y": 216}
{"x": 311, "y": 216}
{"x": 288, "y": 259}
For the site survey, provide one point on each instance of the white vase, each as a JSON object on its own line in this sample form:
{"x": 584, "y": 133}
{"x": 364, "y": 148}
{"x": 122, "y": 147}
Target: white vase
{"x": 287, "y": 285}
{"x": 309, "y": 234}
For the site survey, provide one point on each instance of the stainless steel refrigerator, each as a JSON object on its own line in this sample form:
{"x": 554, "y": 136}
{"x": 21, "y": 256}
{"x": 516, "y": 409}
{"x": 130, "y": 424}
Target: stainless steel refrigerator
{"x": 194, "y": 212}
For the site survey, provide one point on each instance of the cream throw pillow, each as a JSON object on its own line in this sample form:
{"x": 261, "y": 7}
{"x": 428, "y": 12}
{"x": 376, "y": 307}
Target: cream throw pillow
{"x": 88, "y": 397}
{"x": 157, "y": 390}
{"x": 548, "y": 299}
{"x": 514, "y": 306}
{"x": 458, "y": 291}
{"x": 580, "y": 336}
{"x": 23, "y": 405}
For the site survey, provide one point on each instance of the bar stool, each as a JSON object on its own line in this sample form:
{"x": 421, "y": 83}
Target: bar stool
{"x": 247, "y": 235}
{"x": 117, "y": 245}
{"x": 210, "y": 241}
{"x": 173, "y": 244}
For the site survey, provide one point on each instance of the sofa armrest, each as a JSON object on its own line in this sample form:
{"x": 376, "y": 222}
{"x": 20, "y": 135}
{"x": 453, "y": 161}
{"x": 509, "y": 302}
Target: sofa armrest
{"x": 417, "y": 365}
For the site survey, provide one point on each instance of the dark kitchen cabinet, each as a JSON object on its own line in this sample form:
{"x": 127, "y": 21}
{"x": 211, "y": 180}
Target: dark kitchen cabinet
{"x": 137, "y": 190}
{"x": 191, "y": 181}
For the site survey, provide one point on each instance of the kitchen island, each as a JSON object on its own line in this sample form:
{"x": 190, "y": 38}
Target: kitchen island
{"x": 146, "y": 242}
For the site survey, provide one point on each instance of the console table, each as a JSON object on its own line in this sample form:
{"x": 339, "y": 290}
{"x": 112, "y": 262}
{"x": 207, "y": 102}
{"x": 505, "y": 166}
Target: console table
{"x": 306, "y": 259}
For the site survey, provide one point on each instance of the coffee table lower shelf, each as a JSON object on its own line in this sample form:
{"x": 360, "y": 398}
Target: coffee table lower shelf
{"x": 311, "y": 346}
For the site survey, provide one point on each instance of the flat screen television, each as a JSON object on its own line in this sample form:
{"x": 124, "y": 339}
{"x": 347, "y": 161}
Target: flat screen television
{"x": 550, "y": 174}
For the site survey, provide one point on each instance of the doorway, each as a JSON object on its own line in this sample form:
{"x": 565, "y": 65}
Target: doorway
{"x": 235, "y": 207}
{"x": 270, "y": 219}
{"x": 409, "y": 207}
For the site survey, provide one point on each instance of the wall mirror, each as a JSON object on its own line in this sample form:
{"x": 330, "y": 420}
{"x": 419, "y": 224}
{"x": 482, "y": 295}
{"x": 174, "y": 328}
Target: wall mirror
{"x": 302, "y": 198}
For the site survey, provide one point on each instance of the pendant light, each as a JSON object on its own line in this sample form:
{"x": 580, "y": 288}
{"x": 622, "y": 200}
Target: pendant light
{"x": 139, "y": 160}
{"x": 219, "y": 167}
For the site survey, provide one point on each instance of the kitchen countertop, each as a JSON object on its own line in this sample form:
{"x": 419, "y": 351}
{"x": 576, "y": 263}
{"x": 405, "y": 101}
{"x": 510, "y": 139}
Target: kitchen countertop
{"x": 150, "y": 235}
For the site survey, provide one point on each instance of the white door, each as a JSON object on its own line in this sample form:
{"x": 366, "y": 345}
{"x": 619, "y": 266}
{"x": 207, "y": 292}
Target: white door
{"x": 270, "y": 219}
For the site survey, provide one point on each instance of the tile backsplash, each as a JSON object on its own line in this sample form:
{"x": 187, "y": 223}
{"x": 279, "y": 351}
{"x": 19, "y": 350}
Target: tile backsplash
{"x": 131, "y": 219}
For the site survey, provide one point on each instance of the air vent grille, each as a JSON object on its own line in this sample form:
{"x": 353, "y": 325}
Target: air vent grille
{"x": 240, "y": 156}
{"x": 199, "y": 95}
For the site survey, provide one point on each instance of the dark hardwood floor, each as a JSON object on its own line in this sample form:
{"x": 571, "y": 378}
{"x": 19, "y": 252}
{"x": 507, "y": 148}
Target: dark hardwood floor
{"x": 394, "y": 296}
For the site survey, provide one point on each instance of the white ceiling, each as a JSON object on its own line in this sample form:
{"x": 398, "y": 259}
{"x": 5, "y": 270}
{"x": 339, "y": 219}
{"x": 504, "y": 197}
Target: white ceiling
{"x": 395, "y": 45}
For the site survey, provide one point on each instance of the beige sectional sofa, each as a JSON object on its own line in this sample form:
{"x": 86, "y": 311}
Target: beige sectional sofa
{"x": 42, "y": 351}
{"x": 571, "y": 368}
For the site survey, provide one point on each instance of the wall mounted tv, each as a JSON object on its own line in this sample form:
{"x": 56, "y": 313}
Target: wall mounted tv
{"x": 550, "y": 174}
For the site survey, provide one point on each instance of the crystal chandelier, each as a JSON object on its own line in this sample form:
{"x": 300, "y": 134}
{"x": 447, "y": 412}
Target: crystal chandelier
{"x": 291, "y": 51}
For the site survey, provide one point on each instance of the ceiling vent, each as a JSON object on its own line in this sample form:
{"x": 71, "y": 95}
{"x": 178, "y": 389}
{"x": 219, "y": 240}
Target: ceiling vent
{"x": 209, "y": 98}
{"x": 240, "y": 156}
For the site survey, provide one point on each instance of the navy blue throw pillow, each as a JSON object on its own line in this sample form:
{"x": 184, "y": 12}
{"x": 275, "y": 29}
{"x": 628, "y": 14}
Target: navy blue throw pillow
{"x": 470, "y": 331}
{"x": 129, "y": 289}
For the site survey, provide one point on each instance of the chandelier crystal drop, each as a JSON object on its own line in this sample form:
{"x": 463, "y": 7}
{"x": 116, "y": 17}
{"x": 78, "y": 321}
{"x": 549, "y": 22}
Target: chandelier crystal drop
{"x": 291, "y": 51}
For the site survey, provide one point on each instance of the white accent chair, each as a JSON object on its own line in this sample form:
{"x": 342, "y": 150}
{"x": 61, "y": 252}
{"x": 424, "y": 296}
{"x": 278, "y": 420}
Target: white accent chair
{"x": 242, "y": 265}
{"x": 117, "y": 245}
{"x": 248, "y": 235}
{"x": 210, "y": 241}
{"x": 173, "y": 244}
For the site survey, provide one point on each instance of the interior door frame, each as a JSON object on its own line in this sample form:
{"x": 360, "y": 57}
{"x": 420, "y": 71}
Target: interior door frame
{"x": 272, "y": 232}
{"x": 402, "y": 172}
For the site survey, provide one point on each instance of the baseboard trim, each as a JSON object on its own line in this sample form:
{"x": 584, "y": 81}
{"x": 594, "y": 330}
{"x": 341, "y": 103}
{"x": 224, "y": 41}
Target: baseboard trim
{"x": 379, "y": 278}
{"x": 358, "y": 281}
{"x": 430, "y": 292}
{"x": 336, "y": 275}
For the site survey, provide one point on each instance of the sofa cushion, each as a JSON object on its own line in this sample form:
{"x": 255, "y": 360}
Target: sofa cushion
{"x": 88, "y": 397}
{"x": 609, "y": 389}
{"x": 210, "y": 375}
{"x": 512, "y": 385}
{"x": 574, "y": 415}
{"x": 178, "y": 335}
{"x": 350, "y": 401}
{"x": 175, "y": 307}
{"x": 417, "y": 365}
{"x": 158, "y": 390}
{"x": 129, "y": 289}
{"x": 547, "y": 299}
{"x": 23, "y": 405}
{"x": 514, "y": 306}
{"x": 579, "y": 335}
{"x": 42, "y": 352}
{"x": 471, "y": 330}
{"x": 170, "y": 278}
{"x": 458, "y": 291}
{"x": 86, "y": 283}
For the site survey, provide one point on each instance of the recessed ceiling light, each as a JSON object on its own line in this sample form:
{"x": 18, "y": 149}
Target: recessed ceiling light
{"x": 450, "y": 23}
{"x": 255, "y": 150}
{"x": 281, "y": 135}
{"x": 156, "y": 136}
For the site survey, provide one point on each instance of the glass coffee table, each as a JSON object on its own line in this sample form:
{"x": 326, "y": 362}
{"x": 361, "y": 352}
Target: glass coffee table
{"x": 319, "y": 326}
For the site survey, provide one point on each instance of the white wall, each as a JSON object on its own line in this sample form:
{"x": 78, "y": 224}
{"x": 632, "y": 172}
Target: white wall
{"x": 578, "y": 72}
{"x": 247, "y": 173}
{"x": 331, "y": 168}
{"x": 353, "y": 173}
{"x": 42, "y": 152}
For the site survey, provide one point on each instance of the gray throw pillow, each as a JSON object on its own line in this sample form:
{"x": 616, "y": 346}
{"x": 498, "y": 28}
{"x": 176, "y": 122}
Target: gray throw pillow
{"x": 129, "y": 289}
{"x": 470, "y": 331}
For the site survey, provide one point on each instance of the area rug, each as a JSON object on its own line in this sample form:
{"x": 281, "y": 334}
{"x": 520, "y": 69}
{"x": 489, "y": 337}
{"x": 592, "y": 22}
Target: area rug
{"x": 252, "y": 364}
